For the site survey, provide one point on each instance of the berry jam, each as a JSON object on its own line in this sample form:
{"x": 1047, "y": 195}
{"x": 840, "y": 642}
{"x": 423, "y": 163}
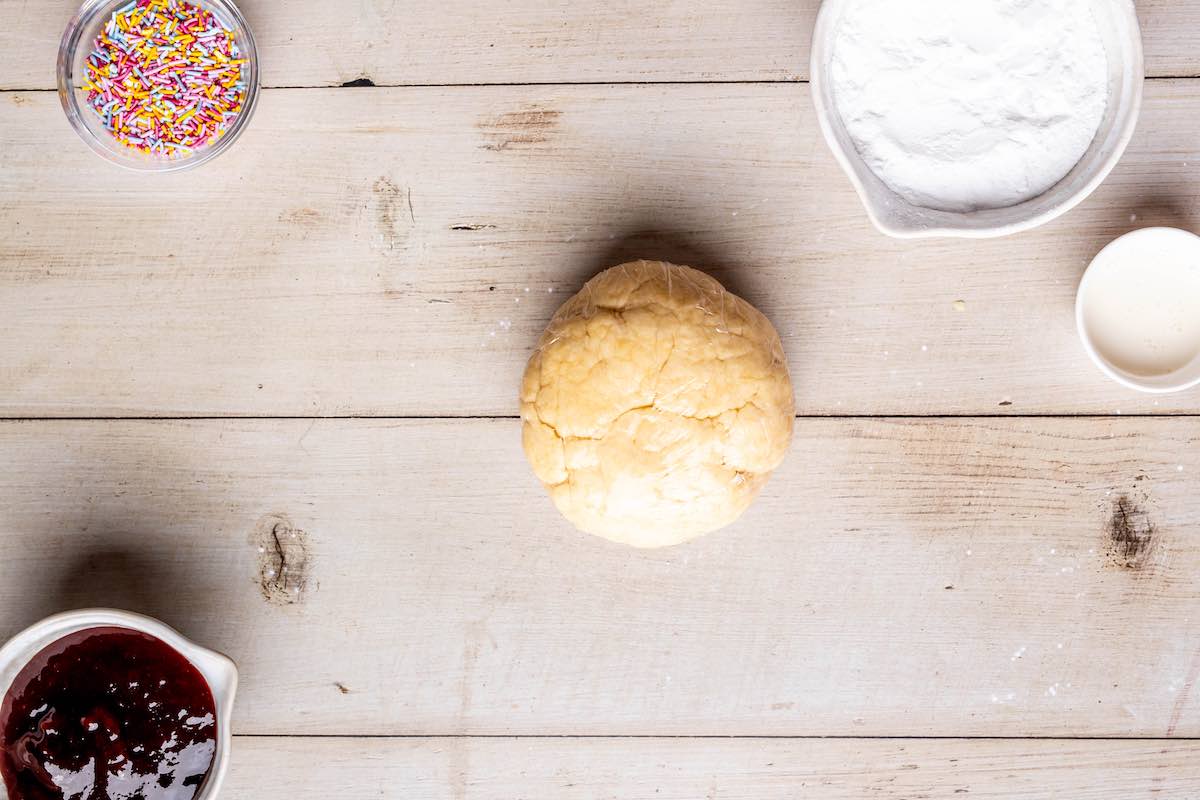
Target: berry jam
{"x": 107, "y": 714}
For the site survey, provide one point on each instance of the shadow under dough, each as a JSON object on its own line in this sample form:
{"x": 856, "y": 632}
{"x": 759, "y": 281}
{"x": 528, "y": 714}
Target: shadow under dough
{"x": 676, "y": 248}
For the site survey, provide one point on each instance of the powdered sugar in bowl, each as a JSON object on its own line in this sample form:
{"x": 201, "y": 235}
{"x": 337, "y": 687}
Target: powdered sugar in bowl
{"x": 976, "y": 118}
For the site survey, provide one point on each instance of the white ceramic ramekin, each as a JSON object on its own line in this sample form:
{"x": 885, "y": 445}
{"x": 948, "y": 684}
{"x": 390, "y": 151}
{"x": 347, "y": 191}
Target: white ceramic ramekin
{"x": 218, "y": 670}
{"x": 1181, "y": 379}
{"x": 895, "y": 216}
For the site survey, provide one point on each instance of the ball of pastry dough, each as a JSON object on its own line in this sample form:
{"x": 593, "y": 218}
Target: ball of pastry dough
{"x": 656, "y": 405}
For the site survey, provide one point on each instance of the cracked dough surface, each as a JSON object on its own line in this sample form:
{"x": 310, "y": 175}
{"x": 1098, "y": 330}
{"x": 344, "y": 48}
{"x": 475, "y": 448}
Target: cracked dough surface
{"x": 656, "y": 405}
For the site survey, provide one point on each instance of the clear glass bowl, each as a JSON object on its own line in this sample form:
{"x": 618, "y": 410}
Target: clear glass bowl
{"x": 76, "y": 46}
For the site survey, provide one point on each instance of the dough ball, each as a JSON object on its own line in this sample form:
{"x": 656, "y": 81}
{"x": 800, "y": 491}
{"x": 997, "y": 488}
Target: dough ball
{"x": 656, "y": 405}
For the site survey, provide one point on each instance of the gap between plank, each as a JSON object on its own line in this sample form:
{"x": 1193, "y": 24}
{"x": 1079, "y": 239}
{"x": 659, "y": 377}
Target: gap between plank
{"x": 513, "y": 417}
{"x": 757, "y": 82}
{"x": 706, "y": 737}
{"x": 516, "y": 84}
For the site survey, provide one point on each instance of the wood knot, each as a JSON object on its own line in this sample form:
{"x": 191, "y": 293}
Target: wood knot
{"x": 526, "y": 128}
{"x": 284, "y": 560}
{"x": 1131, "y": 533}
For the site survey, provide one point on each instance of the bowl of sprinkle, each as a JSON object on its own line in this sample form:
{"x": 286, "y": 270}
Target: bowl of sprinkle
{"x": 158, "y": 85}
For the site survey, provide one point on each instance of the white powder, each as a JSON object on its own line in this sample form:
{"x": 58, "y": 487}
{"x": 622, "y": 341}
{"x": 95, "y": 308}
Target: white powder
{"x": 961, "y": 105}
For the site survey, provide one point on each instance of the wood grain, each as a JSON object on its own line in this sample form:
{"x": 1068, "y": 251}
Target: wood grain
{"x": 681, "y": 769}
{"x": 399, "y": 42}
{"x": 401, "y": 254}
{"x": 898, "y": 577}
{"x": 395, "y": 252}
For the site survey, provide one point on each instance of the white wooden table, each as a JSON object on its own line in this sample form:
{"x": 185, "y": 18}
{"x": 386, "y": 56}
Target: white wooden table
{"x": 977, "y": 575}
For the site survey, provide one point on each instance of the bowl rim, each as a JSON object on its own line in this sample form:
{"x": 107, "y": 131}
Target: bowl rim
{"x": 219, "y": 670}
{"x": 72, "y": 38}
{"x": 1133, "y": 74}
{"x": 1151, "y": 385}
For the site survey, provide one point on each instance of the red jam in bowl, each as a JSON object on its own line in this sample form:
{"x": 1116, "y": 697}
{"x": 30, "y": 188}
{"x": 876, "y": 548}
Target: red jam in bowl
{"x": 107, "y": 714}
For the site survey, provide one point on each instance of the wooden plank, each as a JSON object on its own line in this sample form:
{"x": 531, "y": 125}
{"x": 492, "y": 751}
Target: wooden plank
{"x": 401, "y": 255}
{"x": 683, "y": 769}
{"x": 313, "y": 43}
{"x": 898, "y": 577}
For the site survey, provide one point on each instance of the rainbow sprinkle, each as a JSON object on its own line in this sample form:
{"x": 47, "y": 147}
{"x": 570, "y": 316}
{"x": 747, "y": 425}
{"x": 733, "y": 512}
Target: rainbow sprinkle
{"x": 166, "y": 77}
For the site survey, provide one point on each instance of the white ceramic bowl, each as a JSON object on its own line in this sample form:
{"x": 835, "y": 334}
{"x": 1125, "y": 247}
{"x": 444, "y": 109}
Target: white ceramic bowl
{"x": 895, "y": 216}
{"x": 1136, "y": 247}
{"x": 218, "y": 670}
